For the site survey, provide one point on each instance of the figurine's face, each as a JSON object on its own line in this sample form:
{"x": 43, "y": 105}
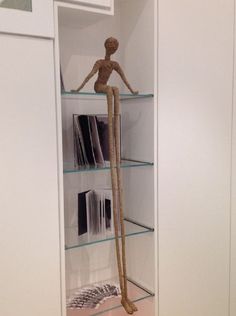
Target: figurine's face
{"x": 111, "y": 46}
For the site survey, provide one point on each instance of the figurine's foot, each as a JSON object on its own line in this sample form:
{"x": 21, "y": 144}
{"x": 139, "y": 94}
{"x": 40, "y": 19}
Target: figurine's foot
{"x": 132, "y": 305}
{"x": 126, "y": 306}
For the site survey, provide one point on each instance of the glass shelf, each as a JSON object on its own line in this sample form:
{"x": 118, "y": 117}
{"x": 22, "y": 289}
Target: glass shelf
{"x": 70, "y": 168}
{"x": 136, "y": 294}
{"x": 74, "y": 241}
{"x": 123, "y": 96}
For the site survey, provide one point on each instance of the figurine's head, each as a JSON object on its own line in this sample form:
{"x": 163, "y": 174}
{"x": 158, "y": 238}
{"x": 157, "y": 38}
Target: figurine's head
{"x": 111, "y": 44}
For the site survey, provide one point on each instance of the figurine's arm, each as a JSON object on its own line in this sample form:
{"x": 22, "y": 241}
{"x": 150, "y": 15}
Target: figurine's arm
{"x": 90, "y": 75}
{"x": 122, "y": 75}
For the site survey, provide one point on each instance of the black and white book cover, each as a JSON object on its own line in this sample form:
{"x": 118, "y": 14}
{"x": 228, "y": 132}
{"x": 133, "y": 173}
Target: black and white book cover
{"x": 102, "y": 126}
{"x": 96, "y": 141}
{"x": 79, "y": 147}
{"x": 95, "y": 216}
{"x": 85, "y": 128}
{"x": 82, "y": 213}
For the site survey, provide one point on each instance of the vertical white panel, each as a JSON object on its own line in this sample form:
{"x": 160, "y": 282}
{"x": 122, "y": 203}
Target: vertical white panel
{"x": 233, "y": 209}
{"x": 29, "y": 242}
{"x": 195, "y": 100}
{"x": 233, "y": 227}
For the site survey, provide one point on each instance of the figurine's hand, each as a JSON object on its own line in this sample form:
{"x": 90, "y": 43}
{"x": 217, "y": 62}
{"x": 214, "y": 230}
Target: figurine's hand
{"x": 135, "y": 92}
{"x": 75, "y": 91}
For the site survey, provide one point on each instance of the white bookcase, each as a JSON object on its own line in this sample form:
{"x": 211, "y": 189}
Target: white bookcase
{"x": 80, "y": 35}
{"x": 188, "y": 260}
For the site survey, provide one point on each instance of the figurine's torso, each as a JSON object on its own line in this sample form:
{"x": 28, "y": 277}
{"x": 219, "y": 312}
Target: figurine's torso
{"x": 105, "y": 69}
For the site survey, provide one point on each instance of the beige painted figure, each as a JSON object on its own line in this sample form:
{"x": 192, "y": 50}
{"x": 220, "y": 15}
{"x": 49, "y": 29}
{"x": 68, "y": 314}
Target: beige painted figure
{"x": 104, "y": 67}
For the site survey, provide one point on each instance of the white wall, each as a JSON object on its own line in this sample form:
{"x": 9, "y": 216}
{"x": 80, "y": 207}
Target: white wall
{"x": 195, "y": 103}
{"x": 29, "y": 234}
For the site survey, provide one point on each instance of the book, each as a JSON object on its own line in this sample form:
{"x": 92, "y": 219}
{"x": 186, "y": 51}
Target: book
{"x": 80, "y": 158}
{"x": 95, "y": 216}
{"x": 102, "y": 126}
{"x": 96, "y": 141}
{"x": 91, "y": 138}
{"x": 87, "y": 139}
{"x": 82, "y": 213}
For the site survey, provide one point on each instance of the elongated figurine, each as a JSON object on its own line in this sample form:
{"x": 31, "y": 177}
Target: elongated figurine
{"x": 104, "y": 67}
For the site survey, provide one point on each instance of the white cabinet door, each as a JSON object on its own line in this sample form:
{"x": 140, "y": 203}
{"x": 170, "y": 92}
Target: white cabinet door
{"x": 233, "y": 211}
{"x": 29, "y": 233}
{"x": 233, "y": 224}
{"x": 30, "y": 17}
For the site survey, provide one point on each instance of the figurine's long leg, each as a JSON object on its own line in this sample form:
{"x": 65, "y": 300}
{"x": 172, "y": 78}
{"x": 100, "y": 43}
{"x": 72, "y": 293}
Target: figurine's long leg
{"x": 120, "y": 190}
{"x": 109, "y": 93}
